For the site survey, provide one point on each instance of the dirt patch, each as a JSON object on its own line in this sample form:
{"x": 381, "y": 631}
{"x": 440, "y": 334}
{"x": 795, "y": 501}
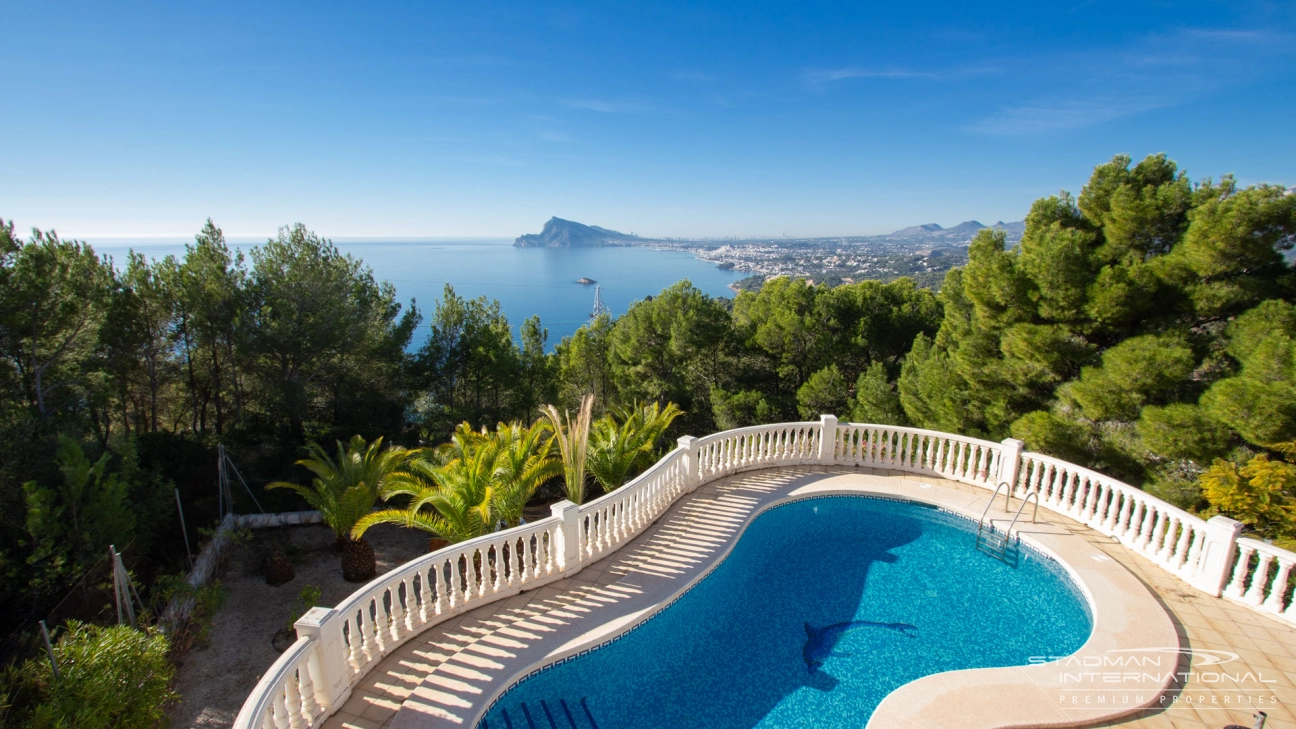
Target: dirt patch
{"x": 214, "y": 680}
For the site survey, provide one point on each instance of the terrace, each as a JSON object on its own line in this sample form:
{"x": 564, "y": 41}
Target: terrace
{"x": 436, "y": 641}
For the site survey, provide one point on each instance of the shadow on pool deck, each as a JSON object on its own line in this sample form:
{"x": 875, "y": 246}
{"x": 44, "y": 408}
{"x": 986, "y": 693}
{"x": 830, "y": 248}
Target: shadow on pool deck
{"x": 445, "y": 676}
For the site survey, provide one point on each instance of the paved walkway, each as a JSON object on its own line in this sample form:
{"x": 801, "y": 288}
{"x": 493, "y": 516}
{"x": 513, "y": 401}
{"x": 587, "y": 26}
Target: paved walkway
{"x": 444, "y": 672}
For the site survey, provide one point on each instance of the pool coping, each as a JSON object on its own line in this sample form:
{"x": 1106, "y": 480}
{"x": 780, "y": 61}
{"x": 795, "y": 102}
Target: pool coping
{"x": 1130, "y": 628}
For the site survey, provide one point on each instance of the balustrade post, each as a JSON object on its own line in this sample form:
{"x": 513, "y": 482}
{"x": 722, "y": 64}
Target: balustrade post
{"x": 333, "y": 686}
{"x": 692, "y": 464}
{"x": 1009, "y": 463}
{"x": 1215, "y": 563}
{"x": 569, "y": 537}
{"x": 827, "y": 439}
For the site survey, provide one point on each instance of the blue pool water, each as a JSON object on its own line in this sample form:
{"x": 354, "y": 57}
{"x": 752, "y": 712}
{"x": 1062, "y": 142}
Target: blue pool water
{"x": 881, "y": 592}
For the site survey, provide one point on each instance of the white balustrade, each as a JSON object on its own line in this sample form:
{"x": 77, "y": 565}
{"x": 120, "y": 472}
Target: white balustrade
{"x": 1262, "y": 578}
{"x": 342, "y": 644}
{"x": 1159, "y": 531}
{"x": 613, "y": 519}
{"x": 337, "y": 647}
{"x": 954, "y": 457}
{"x": 760, "y": 446}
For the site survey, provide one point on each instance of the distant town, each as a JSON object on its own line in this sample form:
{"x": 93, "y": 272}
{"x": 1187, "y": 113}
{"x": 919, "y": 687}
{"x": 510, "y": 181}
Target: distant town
{"x": 924, "y": 252}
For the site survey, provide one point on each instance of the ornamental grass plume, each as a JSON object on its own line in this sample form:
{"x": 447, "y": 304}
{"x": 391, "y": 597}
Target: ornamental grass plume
{"x": 573, "y": 444}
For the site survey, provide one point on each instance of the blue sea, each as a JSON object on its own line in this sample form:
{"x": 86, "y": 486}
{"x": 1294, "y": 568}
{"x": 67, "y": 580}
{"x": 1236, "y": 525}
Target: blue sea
{"x": 526, "y": 281}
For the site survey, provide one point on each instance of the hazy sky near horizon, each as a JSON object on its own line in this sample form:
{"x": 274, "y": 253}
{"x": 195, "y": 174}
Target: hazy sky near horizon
{"x": 662, "y": 118}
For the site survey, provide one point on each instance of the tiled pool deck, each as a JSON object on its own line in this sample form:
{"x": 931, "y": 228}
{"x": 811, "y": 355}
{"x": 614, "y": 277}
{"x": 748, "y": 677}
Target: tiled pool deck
{"x": 438, "y": 677}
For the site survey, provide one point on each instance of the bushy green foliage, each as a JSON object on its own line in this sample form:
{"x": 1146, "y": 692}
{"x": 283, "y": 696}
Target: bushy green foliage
{"x": 624, "y": 442}
{"x": 470, "y": 368}
{"x": 825, "y": 392}
{"x": 876, "y": 400}
{"x": 346, "y": 487}
{"x": 1144, "y": 328}
{"x": 476, "y": 483}
{"x": 741, "y": 409}
{"x": 80, "y": 517}
{"x": 108, "y": 677}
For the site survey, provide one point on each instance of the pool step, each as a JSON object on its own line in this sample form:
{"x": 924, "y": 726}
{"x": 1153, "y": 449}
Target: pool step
{"x": 559, "y": 714}
{"x": 1002, "y": 546}
{"x": 997, "y": 545}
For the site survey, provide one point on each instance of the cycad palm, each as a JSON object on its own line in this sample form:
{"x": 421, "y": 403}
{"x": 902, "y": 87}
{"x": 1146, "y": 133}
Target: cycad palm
{"x": 344, "y": 490}
{"x": 526, "y": 461}
{"x": 471, "y": 485}
{"x": 618, "y": 451}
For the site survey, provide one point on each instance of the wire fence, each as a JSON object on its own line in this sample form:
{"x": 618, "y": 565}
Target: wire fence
{"x": 90, "y": 599}
{"x": 257, "y": 466}
{"x": 202, "y": 501}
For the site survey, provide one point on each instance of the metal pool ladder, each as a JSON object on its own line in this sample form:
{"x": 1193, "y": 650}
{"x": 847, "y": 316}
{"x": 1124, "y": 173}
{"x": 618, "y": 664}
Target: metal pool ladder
{"x": 989, "y": 540}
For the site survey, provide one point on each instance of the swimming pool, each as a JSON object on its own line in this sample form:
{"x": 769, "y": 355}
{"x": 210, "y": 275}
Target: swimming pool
{"x": 823, "y": 607}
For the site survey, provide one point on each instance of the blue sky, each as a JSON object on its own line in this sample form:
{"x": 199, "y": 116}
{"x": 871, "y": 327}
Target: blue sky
{"x": 662, "y": 118}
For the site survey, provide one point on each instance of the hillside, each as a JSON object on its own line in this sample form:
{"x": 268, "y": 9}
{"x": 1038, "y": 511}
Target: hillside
{"x": 559, "y": 233}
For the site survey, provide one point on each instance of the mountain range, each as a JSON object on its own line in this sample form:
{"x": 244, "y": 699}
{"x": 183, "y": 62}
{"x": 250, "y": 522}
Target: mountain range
{"x": 966, "y": 228}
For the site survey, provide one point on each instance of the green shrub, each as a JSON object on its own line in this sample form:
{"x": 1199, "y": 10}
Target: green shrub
{"x": 108, "y": 677}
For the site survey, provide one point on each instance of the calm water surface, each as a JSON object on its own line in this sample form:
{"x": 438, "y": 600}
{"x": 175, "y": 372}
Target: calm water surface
{"x": 823, "y": 607}
{"x": 525, "y": 280}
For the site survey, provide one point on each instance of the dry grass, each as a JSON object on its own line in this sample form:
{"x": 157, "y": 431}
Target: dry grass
{"x": 213, "y": 680}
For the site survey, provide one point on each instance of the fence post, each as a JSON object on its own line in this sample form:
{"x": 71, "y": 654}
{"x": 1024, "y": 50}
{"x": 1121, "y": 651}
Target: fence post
{"x": 324, "y": 626}
{"x": 1009, "y": 463}
{"x": 827, "y": 439}
{"x": 568, "y": 536}
{"x": 1216, "y": 562}
{"x": 692, "y": 467}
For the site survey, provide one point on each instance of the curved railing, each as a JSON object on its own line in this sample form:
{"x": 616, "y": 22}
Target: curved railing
{"x": 337, "y": 647}
{"x": 1165, "y": 534}
{"x": 617, "y": 517}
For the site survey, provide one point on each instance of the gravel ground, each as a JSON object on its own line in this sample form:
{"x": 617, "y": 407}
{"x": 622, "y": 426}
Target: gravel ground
{"x": 213, "y": 680}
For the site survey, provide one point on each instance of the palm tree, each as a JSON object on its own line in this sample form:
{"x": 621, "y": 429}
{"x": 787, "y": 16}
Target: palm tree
{"x": 618, "y": 452}
{"x": 573, "y": 444}
{"x": 344, "y": 490}
{"x": 527, "y": 460}
{"x": 471, "y": 485}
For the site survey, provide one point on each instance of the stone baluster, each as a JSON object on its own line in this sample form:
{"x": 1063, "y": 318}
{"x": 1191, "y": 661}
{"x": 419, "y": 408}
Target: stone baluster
{"x": 280, "y": 708}
{"x": 400, "y": 604}
{"x": 1259, "y": 580}
{"x": 1147, "y": 523}
{"x": 1115, "y": 505}
{"x": 1237, "y": 585}
{"x": 366, "y": 634}
{"x": 1071, "y": 502}
{"x": 1086, "y": 499}
{"x": 1179, "y": 552}
{"x": 308, "y": 671}
{"x": 292, "y": 695}
{"x": 1278, "y": 589}
{"x": 1167, "y": 536}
